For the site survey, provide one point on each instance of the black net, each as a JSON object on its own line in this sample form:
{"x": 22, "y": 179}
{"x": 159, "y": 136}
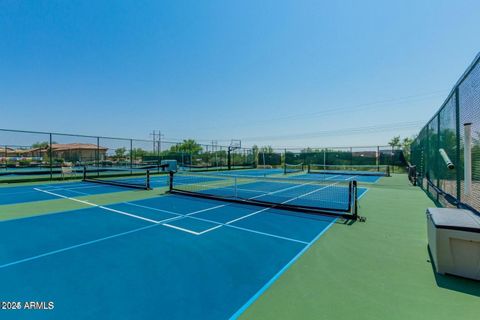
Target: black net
{"x": 355, "y": 170}
{"x": 293, "y": 168}
{"x": 141, "y": 180}
{"x": 338, "y": 198}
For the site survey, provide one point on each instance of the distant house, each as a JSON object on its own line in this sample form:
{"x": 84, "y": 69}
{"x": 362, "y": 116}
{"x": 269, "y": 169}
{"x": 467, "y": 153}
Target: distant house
{"x": 8, "y": 152}
{"x": 69, "y": 152}
{"x": 11, "y": 152}
{"x": 32, "y": 153}
{"x": 72, "y": 152}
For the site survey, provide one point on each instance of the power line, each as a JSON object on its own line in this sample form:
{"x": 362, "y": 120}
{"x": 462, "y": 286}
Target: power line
{"x": 337, "y": 132}
{"x": 340, "y": 109}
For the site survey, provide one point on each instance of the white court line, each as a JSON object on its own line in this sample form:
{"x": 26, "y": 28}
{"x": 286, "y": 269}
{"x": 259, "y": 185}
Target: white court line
{"x": 266, "y": 234}
{"x": 333, "y": 177}
{"x": 250, "y": 214}
{"x": 181, "y": 229}
{"x": 75, "y": 246}
{"x": 208, "y": 230}
{"x": 246, "y": 216}
{"x": 71, "y": 190}
{"x": 124, "y": 213}
{"x": 135, "y": 230}
{"x": 97, "y": 206}
{"x": 155, "y": 209}
{"x": 287, "y": 201}
{"x": 219, "y": 224}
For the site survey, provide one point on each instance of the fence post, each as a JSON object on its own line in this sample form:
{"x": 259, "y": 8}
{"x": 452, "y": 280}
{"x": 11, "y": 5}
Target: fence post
{"x": 392, "y": 155}
{"x": 437, "y": 150}
{"x": 377, "y": 158}
{"x": 98, "y": 156}
{"x": 131, "y": 155}
{"x": 159, "y": 151}
{"x": 351, "y": 157}
{"x": 50, "y": 155}
{"x": 457, "y": 156}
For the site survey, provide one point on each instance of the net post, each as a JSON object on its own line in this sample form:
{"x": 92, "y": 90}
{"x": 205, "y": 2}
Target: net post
{"x": 84, "y": 173}
{"x": 229, "y": 159}
{"x": 131, "y": 154}
{"x": 147, "y": 181}
{"x": 350, "y": 193}
{"x": 355, "y": 203}
{"x": 377, "y": 158}
{"x": 170, "y": 181}
{"x": 235, "y": 187}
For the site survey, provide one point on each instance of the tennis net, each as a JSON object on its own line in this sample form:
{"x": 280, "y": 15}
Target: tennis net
{"x": 293, "y": 168}
{"x": 357, "y": 170}
{"x": 140, "y": 180}
{"x": 337, "y": 199}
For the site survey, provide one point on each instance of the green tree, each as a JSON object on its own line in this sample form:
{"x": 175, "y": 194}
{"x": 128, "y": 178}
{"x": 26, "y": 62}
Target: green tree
{"x": 189, "y": 146}
{"x": 266, "y": 149}
{"x": 120, "y": 153}
{"x": 395, "y": 142}
{"x": 406, "y": 143}
{"x": 139, "y": 153}
{"x": 43, "y": 144}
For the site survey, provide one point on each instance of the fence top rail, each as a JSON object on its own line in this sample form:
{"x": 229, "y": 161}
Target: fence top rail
{"x": 69, "y": 134}
{"x": 101, "y": 137}
{"x": 457, "y": 84}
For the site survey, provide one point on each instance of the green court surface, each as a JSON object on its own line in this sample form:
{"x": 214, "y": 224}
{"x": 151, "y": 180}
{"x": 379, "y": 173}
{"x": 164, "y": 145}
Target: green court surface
{"x": 375, "y": 270}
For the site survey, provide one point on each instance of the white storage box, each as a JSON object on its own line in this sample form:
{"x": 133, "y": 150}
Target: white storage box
{"x": 172, "y": 165}
{"x": 454, "y": 241}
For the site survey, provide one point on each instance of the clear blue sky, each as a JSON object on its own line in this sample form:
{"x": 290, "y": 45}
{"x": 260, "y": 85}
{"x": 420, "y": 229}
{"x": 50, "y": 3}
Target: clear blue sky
{"x": 282, "y": 73}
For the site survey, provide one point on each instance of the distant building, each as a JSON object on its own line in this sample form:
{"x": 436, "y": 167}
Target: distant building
{"x": 69, "y": 152}
{"x": 73, "y": 152}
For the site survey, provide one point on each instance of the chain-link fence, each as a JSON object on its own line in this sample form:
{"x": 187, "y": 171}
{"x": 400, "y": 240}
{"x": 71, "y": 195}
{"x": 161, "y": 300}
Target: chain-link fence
{"x": 446, "y": 131}
{"x": 348, "y": 156}
{"x": 32, "y": 156}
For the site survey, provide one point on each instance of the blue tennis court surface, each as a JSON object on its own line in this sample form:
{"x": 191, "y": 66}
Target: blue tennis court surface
{"x": 40, "y": 192}
{"x": 169, "y": 256}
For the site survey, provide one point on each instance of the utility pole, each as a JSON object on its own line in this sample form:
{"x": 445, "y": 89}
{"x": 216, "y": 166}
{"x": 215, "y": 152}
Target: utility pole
{"x": 154, "y": 136}
{"x": 157, "y": 140}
